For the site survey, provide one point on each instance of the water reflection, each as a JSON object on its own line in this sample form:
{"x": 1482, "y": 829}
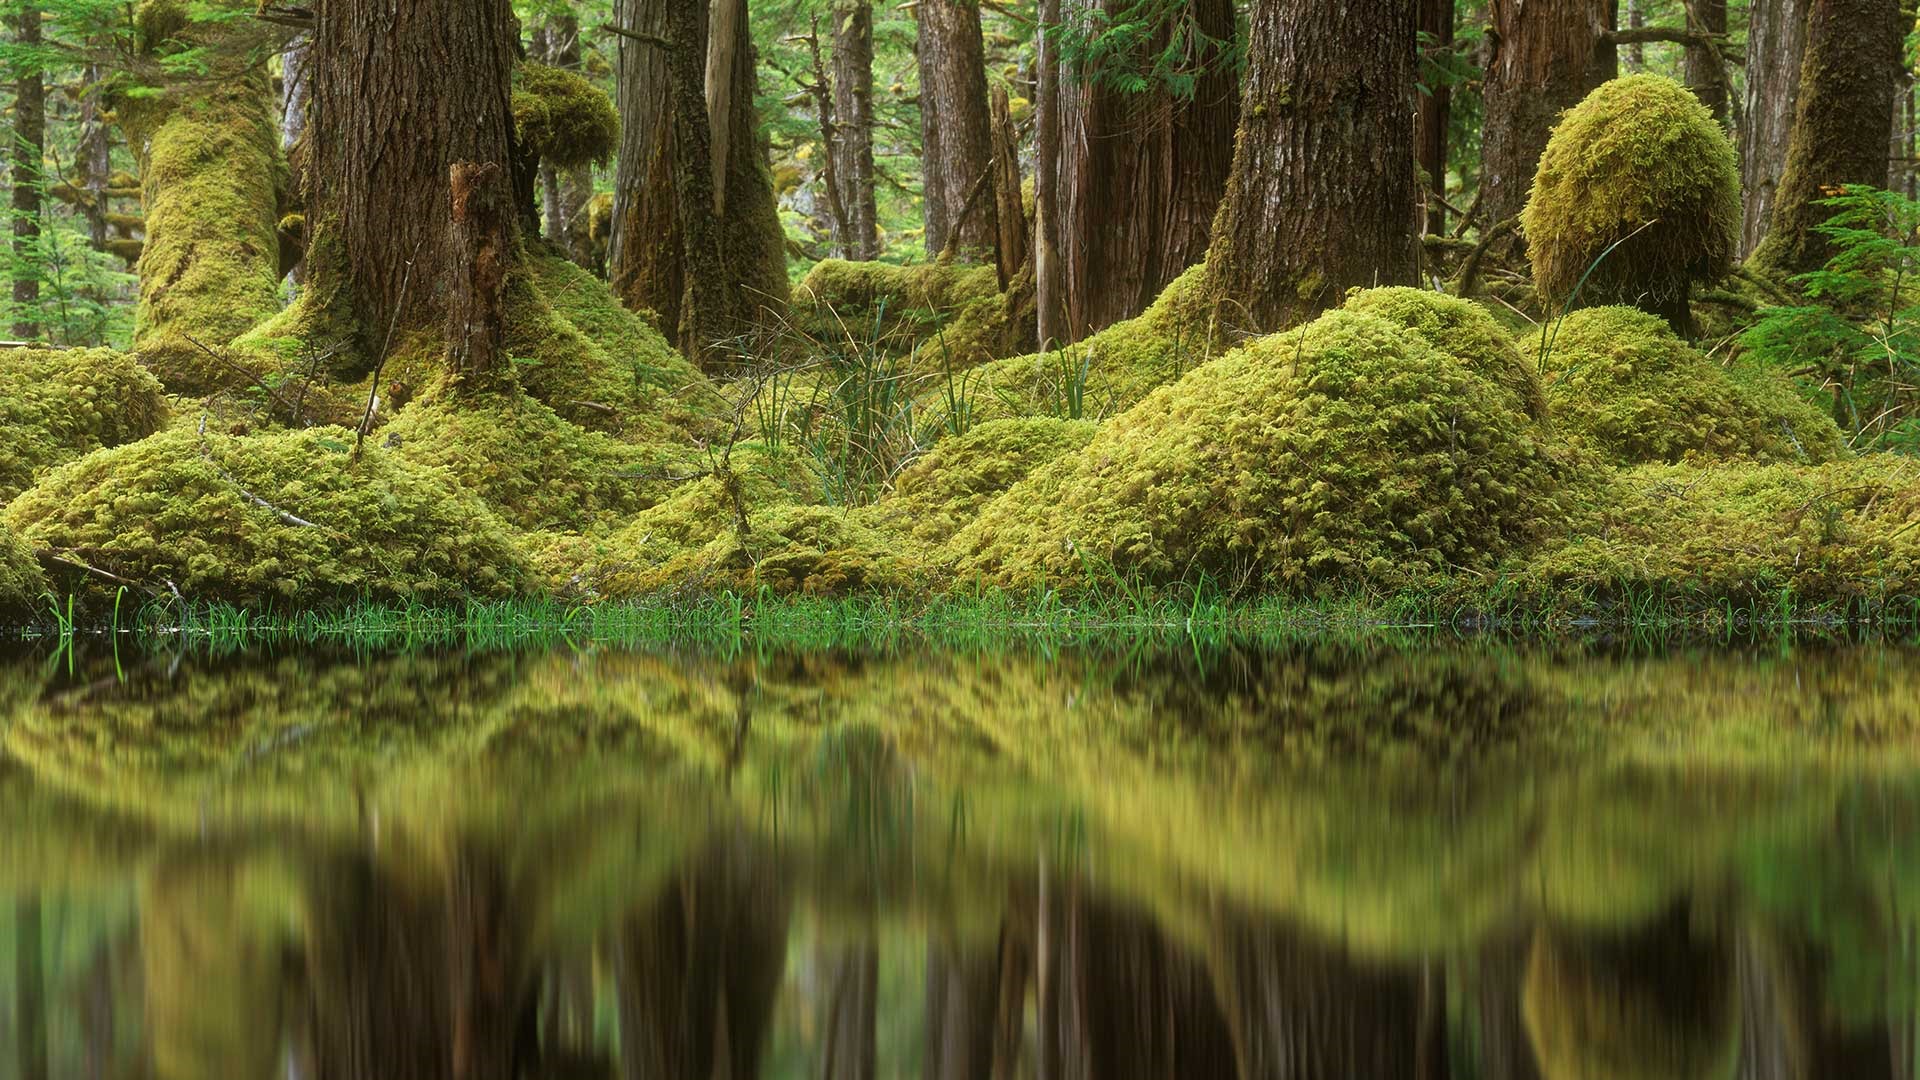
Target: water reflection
{"x": 1470, "y": 862}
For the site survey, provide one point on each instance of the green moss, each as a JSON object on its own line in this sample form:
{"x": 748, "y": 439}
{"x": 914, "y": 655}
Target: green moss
{"x": 157, "y": 22}
{"x": 21, "y": 580}
{"x": 1620, "y": 383}
{"x": 1350, "y": 452}
{"x": 1640, "y": 163}
{"x": 56, "y": 405}
{"x": 945, "y": 313}
{"x": 563, "y": 119}
{"x": 938, "y": 494}
{"x": 1461, "y": 329}
{"x": 176, "y": 508}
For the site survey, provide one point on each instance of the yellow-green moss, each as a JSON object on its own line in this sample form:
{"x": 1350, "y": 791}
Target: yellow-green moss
{"x": 21, "y": 580}
{"x": 1463, "y": 330}
{"x": 56, "y": 405}
{"x": 181, "y": 508}
{"x": 1621, "y": 383}
{"x": 1349, "y": 452}
{"x": 1639, "y": 158}
{"x": 562, "y": 118}
{"x": 938, "y": 494}
{"x": 1846, "y": 529}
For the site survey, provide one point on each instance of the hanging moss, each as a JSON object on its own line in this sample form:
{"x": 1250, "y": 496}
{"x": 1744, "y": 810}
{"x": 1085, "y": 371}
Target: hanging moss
{"x": 1619, "y": 382}
{"x": 561, "y": 118}
{"x": 1640, "y": 163}
{"x": 1463, "y": 330}
{"x": 212, "y": 515}
{"x": 21, "y": 580}
{"x": 1348, "y": 452}
{"x": 937, "y": 495}
{"x": 56, "y": 405}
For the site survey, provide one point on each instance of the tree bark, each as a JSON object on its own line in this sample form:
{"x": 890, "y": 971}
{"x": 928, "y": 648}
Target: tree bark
{"x": 399, "y": 95}
{"x": 481, "y": 250}
{"x": 1841, "y": 123}
{"x": 1009, "y": 211}
{"x": 1323, "y": 194}
{"x": 1142, "y": 173}
{"x": 1436, "y": 111}
{"x": 1050, "y": 284}
{"x": 1776, "y": 48}
{"x": 1702, "y": 68}
{"x": 859, "y": 236}
{"x": 957, "y": 147}
{"x": 1542, "y": 57}
{"x": 29, "y": 148}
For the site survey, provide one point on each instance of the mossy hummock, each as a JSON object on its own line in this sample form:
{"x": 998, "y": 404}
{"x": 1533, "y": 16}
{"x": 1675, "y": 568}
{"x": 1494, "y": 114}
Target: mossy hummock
{"x": 938, "y": 494}
{"x": 21, "y": 580}
{"x": 58, "y": 404}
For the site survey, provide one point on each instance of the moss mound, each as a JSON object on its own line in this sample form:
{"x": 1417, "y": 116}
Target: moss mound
{"x": 1463, "y": 330}
{"x": 214, "y": 516}
{"x": 937, "y": 495}
{"x": 56, "y": 405}
{"x": 21, "y": 580}
{"x": 1621, "y": 383}
{"x": 563, "y": 119}
{"x": 1640, "y": 163}
{"x": 946, "y": 314}
{"x": 1847, "y": 529}
{"x": 1349, "y": 451}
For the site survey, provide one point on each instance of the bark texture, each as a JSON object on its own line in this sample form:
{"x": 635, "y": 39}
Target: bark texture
{"x": 29, "y": 147}
{"x": 481, "y": 250}
{"x": 859, "y": 236}
{"x": 1050, "y": 285}
{"x": 1323, "y": 194}
{"x": 1776, "y": 47}
{"x": 1436, "y": 112}
{"x": 1704, "y": 72}
{"x": 1009, "y": 210}
{"x": 1841, "y": 123}
{"x": 957, "y": 146}
{"x": 643, "y": 241}
{"x": 1142, "y": 173}
{"x": 1542, "y": 57}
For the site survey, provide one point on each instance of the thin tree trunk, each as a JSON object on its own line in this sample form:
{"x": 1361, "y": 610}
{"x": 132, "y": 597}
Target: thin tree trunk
{"x": 852, "y": 977}
{"x": 94, "y": 158}
{"x": 1704, "y": 71}
{"x": 1635, "y": 57}
{"x": 702, "y": 323}
{"x": 1050, "y": 284}
{"x": 1008, "y": 210}
{"x": 29, "y": 147}
{"x": 853, "y": 128}
{"x": 957, "y": 146}
{"x": 1323, "y": 194}
{"x": 1436, "y": 112}
{"x": 1776, "y": 48}
{"x": 1840, "y": 126}
{"x": 1543, "y": 56}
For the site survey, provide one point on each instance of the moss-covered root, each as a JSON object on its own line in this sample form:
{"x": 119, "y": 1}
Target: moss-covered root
{"x": 938, "y": 494}
{"x": 1350, "y": 451}
{"x": 56, "y": 405}
{"x": 21, "y": 580}
{"x": 1621, "y": 383}
{"x": 1640, "y": 164}
{"x": 270, "y": 517}
{"x": 1461, "y": 329}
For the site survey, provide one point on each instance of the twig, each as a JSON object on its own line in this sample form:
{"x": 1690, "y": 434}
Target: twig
{"x": 380, "y": 364}
{"x": 52, "y": 560}
{"x": 206, "y": 452}
{"x": 635, "y": 35}
{"x": 273, "y": 396}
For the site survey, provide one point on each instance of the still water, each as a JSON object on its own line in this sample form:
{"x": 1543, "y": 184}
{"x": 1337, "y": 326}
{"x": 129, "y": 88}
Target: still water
{"x": 1432, "y": 860}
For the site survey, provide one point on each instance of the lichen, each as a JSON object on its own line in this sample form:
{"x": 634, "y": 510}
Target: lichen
{"x": 56, "y": 405}
{"x": 938, "y": 494}
{"x": 1461, "y": 329}
{"x": 1349, "y": 452}
{"x": 1640, "y": 164}
{"x": 1620, "y": 383}
{"x": 563, "y": 119}
{"x": 21, "y": 580}
{"x": 215, "y": 516}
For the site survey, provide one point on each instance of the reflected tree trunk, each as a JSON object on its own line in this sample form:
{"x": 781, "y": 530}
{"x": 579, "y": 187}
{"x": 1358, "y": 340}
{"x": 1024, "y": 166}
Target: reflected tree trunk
{"x": 851, "y": 976}
{"x": 30, "y": 989}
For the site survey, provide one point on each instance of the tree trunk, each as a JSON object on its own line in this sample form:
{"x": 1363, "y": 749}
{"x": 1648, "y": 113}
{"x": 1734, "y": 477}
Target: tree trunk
{"x": 1436, "y": 112}
{"x": 1324, "y": 193}
{"x": 1142, "y": 173}
{"x": 399, "y": 96}
{"x": 1049, "y": 279}
{"x": 94, "y": 158}
{"x": 1776, "y": 47}
{"x": 1635, "y": 57}
{"x": 852, "y": 977}
{"x": 957, "y": 147}
{"x": 644, "y": 247}
{"x": 1704, "y": 71}
{"x": 1841, "y": 123}
{"x": 852, "y": 148}
{"x": 1543, "y": 56}
{"x": 29, "y": 148}
{"x": 481, "y": 250}
{"x": 1008, "y": 205}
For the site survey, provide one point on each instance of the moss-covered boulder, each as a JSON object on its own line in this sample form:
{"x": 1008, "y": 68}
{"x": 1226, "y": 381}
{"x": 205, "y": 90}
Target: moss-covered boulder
{"x": 1643, "y": 165}
{"x": 1621, "y": 383}
{"x": 21, "y": 579}
{"x": 270, "y": 517}
{"x": 938, "y": 494}
{"x": 1461, "y": 329}
{"x": 1347, "y": 453}
{"x": 56, "y": 405}
{"x": 561, "y": 118}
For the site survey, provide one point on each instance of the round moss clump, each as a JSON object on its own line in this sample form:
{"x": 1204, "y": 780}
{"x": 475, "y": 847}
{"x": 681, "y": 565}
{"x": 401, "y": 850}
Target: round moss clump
{"x": 21, "y": 580}
{"x": 1461, "y": 329}
{"x": 563, "y": 119}
{"x": 255, "y": 518}
{"x": 58, "y": 404}
{"x": 1350, "y": 452}
{"x": 1621, "y": 383}
{"x": 936, "y": 495}
{"x": 1642, "y": 164}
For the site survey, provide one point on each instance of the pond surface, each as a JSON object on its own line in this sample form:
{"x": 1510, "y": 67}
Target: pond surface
{"x": 1438, "y": 860}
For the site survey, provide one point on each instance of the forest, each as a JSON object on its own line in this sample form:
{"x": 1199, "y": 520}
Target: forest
{"x": 1551, "y": 305}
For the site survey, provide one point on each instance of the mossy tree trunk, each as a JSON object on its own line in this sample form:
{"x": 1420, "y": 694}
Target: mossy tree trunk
{"x": 1323, "y": 194}
{"x": 1776, "y": 47}
{"x": 859, "y": 235}
{"x": 1542, "y": 57}
{"x": 1841, "y": 124}
{"x": 956, "y": 141}
{"x": 1141, "y": 174}
{"x": 1436, "y": 112}
{"x": 29, "y": 147}
{"x": 1704, "y": 72}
